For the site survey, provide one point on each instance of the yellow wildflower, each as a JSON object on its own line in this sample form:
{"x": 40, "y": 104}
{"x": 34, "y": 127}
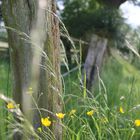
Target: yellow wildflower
{"x": 90, "y": 113}
{"x": 39, "y": 129}
{"x": 45, "y": 121}
{"x": 121, "y": 110}
{"x": 72, "y": 112}
{"x": 10, "y": 105}
{"x": 137, "y": 122}
{"x": 30, "y": 91}
{"x": 60, "y": 115}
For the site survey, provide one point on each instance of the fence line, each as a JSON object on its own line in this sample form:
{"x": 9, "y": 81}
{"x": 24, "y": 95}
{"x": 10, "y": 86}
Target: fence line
{"x": 72, "y": 70}
{"x": 75, "y": 39}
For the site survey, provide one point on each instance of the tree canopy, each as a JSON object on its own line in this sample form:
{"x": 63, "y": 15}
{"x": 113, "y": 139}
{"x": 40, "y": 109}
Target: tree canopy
{"x": 86, "y": 16}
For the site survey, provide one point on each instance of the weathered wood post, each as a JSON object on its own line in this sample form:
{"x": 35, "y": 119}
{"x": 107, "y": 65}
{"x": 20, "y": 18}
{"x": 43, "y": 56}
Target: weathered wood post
{"x": 95, "y": 55}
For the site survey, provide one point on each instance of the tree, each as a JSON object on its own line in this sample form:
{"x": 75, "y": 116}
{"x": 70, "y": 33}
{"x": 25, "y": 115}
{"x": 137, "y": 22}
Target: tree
{"x": 33, "y": 31}
{"x": 84, "y": 19}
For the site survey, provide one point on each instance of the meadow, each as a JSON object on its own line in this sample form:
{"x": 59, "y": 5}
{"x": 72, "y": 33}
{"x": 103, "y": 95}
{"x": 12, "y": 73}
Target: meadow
{"x": 113, "y": 113}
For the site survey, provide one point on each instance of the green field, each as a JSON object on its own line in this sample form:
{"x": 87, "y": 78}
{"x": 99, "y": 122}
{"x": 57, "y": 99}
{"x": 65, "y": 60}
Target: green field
{"x": 117, "y": 88}
{"x": 5, "y": 88}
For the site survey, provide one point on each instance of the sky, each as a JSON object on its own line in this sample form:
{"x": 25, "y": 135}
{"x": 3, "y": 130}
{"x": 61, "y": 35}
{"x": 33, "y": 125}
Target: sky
{"x": 131, "y": 13}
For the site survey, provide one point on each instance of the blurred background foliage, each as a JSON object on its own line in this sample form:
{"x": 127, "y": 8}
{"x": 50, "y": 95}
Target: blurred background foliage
{"x": 87, "y": 17}
{"x": 83, "y": 18}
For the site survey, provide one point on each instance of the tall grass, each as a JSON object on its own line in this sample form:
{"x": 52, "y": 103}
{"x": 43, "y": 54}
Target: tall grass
{"x": 5, "y": 88}
{"x": 121, "y": 90}
{"x": 111, "y": 114}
